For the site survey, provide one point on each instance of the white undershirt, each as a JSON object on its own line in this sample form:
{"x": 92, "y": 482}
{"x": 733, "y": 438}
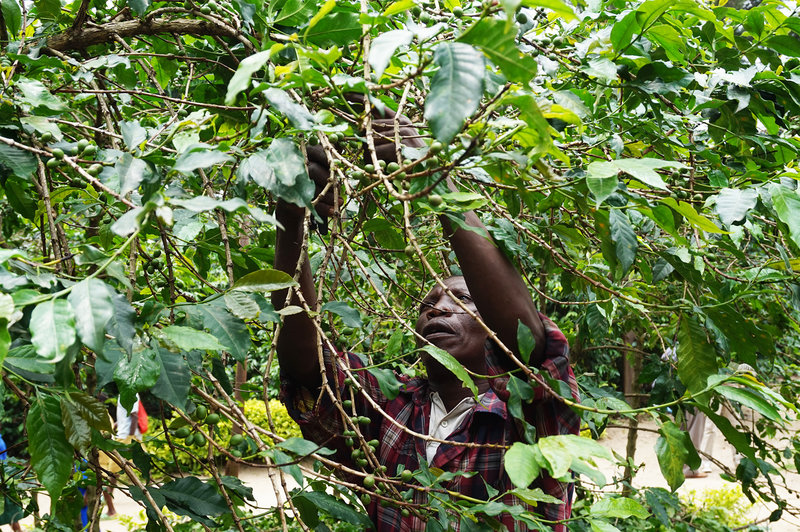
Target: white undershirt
{"x": 443, "y": 423}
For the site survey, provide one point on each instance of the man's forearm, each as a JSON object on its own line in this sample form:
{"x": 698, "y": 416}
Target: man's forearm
{"x": 297, "y": 343}
{"x": 497, "y": 288}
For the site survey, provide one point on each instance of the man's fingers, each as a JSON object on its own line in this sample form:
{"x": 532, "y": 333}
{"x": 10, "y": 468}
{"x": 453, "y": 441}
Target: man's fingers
{"x": 317, "y": 155}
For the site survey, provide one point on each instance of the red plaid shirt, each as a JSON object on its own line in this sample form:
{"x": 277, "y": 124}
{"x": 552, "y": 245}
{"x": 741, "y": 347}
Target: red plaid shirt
{"x": 488, "y": 423}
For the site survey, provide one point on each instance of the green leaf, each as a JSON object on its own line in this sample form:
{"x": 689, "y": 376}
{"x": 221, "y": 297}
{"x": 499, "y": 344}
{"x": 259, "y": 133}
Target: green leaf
{"x": 521, "y": 463}
{"x": 35, "y": 94}
{"x": 338, "y": 29}
{"x": 384, "y": 46}
{"x": 241, "y": 305}
{"x": 51, "y": 453}
{"x": 12, "y": 14}
{"x": 624, "y": 238}
{"x": 652, "y": 10}
{"x": 786, "y": 203}
{"x": 387, "y": 381}
{"x": 131, "y": 172}
{"x": 733, "y": 204}
{"x": 602, "y": 526}
{"x": 228, "y": 329}
{"x": 669, "y": 38}
{"x": 264, "y": 281}
{"x": 691, "y": 215}
{"x": 451, "y": 364}
{"x": 5, "y": 340}
{"x": 641, "y": 169}
{"x": 297, "y": 113}
{"x": 746, "y": 341}
{"x": 302, "y": 447}
{"x": 398, "y": 7}
{"x": 618, "y": 507}
{"x": 785, "y": 45}
{"x": 80, "y": 413}
{"x": 674, "y": 448}
{"x": 602, "y": 187}
{"x": 136, "y": 374}
{"x": 285, "y": 174}
{"x": 335, "y": 508}
{"x": 91, "y": 301}
{"x": 537, "y": 134}
{"x": 535, "y": 495}
{"x": 623, "y": 31}
{"x": 750, "y": 399}
{"x": 22, "y": 163}
{"x": 195, "y": 499}
{"x": 525, "y": 341}
{"x": 497, "y": 39}
{"x": 697, "y": 360}
{"x": 199, "y": 156}
{"x": 121, "y": 325}
{"x": 174, "y": 379}
{"x": 133, "y": 135}
{"x": 52, "y": 327}
{"x": 456, "y": 89}
{"x": 139, "y": 6}
{"x": 350, "y": 316}
{"x": 187, "y": 339}
{"x": 323, "y": 11}
{"x": 244, "y": 73}
{"x": 48, "y": 9}
{"x": 557, "y": 6}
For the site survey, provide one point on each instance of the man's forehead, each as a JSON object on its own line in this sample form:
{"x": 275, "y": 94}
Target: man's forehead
{"x": 455, "y": 281}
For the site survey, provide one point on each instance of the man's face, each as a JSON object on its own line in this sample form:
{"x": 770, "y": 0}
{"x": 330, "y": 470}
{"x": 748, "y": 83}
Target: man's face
{"x": 444, "y": 324}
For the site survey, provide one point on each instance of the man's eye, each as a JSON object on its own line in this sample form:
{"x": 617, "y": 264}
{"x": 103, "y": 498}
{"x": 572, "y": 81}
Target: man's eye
{"x": 465, "y": 298}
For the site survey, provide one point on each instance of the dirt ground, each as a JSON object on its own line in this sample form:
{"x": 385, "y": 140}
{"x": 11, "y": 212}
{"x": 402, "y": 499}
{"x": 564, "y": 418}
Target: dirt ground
{"x": 615, "y": 439}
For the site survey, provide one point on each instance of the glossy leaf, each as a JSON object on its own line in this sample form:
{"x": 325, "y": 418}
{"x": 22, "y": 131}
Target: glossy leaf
{"x": 297, "y": 114}
{"x": 174, "y": 379}
{"x": 384, "y": 47}
{"x": 264, "y": 281}
{"x": 80, "y": 413}
{"x": 20, "y": 162}
{"x": 51, "y": 454}
{"x": 335, "y": 508}
{"x": 52, "y": 327}
{"x": 452, "y": 365}
{"x": 93, "y": 307}
{"x": 697, "y": 360}
{"x": 229, "y": 330}
{"x": 496, "y": 38}
{"x": 136, "y": 374}
{"x": 244, "y": 73}
{"x": 674, "y": 448}
{"x": 521, "y": 463}
{"x": 624, "y": 238}
{"x": 733, "y": 204}
{"x": 350, "y": 316}
{"x": 187, "y": 339}
{"x": 456, "y": 89}
{"x": 194, "y": 498}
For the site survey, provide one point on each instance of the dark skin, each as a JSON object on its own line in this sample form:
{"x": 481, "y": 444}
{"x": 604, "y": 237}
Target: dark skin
{"x": 491, "y": 287}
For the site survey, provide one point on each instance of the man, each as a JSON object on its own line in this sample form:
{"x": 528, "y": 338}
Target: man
{"x": 438, "y": 406}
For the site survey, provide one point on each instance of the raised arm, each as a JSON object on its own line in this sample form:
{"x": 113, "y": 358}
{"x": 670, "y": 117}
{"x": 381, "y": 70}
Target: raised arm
{"x": 297, "y": 343}
{"x": 496, "y": 287}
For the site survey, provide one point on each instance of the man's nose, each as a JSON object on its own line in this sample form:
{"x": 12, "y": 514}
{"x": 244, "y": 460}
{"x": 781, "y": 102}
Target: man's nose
{"x": 444, "y": 306}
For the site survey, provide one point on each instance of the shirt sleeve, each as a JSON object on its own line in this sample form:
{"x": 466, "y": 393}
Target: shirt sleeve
{"x": 315, "y": 411}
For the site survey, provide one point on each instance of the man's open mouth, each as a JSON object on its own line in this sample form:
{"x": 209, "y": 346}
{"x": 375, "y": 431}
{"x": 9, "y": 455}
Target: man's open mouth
{"x": 435, "y": 328}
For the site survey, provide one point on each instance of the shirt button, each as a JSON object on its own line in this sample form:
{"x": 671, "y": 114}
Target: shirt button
{"x": 444, "y": 423}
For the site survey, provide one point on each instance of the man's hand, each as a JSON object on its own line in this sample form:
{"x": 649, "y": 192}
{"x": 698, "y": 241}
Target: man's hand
{"x": 384, "y": 134}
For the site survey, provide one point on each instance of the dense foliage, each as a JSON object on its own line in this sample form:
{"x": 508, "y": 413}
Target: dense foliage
{"x": 637, "y": 161}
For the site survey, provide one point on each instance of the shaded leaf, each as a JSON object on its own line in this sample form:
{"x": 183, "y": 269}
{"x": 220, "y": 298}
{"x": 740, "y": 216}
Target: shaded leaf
{"x": 350, "y": 316}
{"x": 674, "y": 448}
{"x": 199, "y": 156}
{"x": 264, "y": 281}
{"x": 624, "y": 238}
{"x": 732, "y": 205}
{"x": 228, "y": 329}
{"x": 80, "y": 413}
{"x": 51, "y": 453}
{"x": 387, "y": 381}
{"x": 22, "y": 163}
{"x": 697, "y": 360}
{"x": 497, "y": 39}
{"x": 335, "y": 508}
{"x": 194, "y": 498}
{"x": 297, "y": 114}
{"x": 136, "y": 374}
{"x": 454, "y": 366}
